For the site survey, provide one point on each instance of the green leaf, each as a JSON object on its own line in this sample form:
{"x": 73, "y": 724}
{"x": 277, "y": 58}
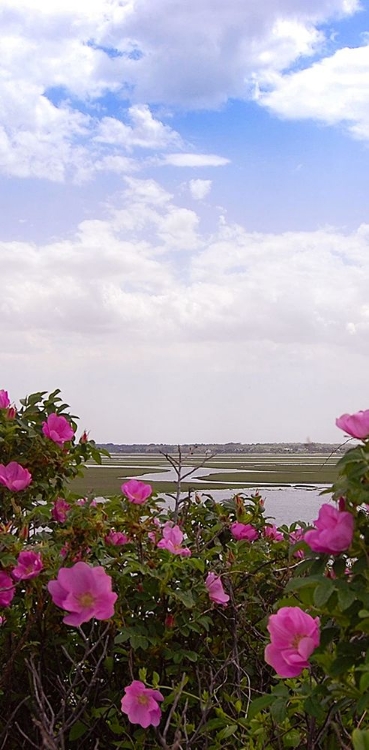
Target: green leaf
{"x": 139, "y": 641}
{"x": 227, "y": 732}
{"x": 346, "y": 596}
{"x": 323, "y": 592}
{"x": 185, "y": 597}
{"x": 259, "y": 704}
{"x": 279, "y": 710}
{"x": 360, "y": 739}
{"x": 78, "y": 729}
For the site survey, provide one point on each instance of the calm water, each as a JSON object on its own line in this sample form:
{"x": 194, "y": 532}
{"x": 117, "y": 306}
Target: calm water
{"x": 284, "y": 504}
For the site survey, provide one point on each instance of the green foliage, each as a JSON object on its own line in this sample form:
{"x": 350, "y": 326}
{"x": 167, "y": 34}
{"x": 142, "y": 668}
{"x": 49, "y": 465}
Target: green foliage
{"x": 61, "y": 686}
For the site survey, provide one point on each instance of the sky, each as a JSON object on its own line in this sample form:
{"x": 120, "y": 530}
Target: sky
{"x": 184, "y": 204}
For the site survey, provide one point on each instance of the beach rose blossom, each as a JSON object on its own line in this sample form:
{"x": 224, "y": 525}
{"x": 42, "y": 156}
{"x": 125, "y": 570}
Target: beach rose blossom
{"x": 85, "y": 592}
{"x": 60, "y": 510}
{"x": 356, "y": 425}
{"x": 271, "y": 532}
{"x": 7, "y": 589}
{"x": 333, "y": 531}
{"x": 29, "y": 565}
{"x": 14, "y": 476}
{"x": 136, "y": 492}
{"x": 243, "y": 532}
{"x": 141, "y": 704}
{"x": 4, "y": 399}
{"x": 116, "y": 537}
{"x": 215, "y": 589}
{"x": 172, "y": 541}
{"x": 294, "y": 636}
{"x": 57, "y": 429}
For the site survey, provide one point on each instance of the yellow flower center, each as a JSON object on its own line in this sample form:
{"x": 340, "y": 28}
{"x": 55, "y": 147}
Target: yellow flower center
{"x": 86, "y": 600}
{"x": 143, "y": 700}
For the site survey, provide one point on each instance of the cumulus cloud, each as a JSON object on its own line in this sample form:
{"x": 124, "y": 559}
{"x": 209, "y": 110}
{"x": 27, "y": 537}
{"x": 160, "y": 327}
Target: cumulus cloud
{"x": 232, "y": 285}
{"x": 199, "y": 189}
{"x": 334, "y": 90}
{"x": 63, "y": 65}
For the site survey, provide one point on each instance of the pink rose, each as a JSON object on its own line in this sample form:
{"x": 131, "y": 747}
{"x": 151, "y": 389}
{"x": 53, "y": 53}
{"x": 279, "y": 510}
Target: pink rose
{"x": 4, "y": 399}
{"x": 294, "y": 635}
{"x": 7, "y": 589}
{"x": 356, "y": 425}
{"x": 215, "y": 589}
{"x": 60, "y": 510}
{"x": 85, "y": 592}
{"x": 57, "y": 429}
{"x": 14, "y": 476}
{"x": 136, "y": 492}
{"x": 172, "y": 541}
{"x": 295, "y": 537}
{"x": 271, "y": 532}
{"x": 333, "y": 531}
{"x": 116, "y": 538}
{"x": 141, "y": 704}
{"x": 243, "y": 532}
{"x": 29, "y": 566}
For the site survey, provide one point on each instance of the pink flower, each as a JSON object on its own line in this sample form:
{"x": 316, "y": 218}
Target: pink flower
{"x": 4, "y": 399}
{"x": 294, "y": 635}
{"x": 215, "y": 589}
{"x": 29, "y": 566}
{"x": 7, "y": 589}
{"x": 271, "y": 532}
{"x": 295, "y": 537}
{"x": 243, "y": 532}
{"x": 85, "y": 592}
{"x": 57, "y": 429}
{"x": 116, "y": 538}
{"x": 141, "y": 704}
{"x": 136, "y": 492}
{"x": 356, "y": 425}
{"x": 14, "y": 476}
{"x": 333, "y": 533}
{"x": 84, "y": 501}
{"x": 60, "y": 510}
{"x": 172, "y": 540}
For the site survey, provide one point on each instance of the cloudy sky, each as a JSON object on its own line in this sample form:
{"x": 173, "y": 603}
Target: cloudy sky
{"x": 184, "y": 202}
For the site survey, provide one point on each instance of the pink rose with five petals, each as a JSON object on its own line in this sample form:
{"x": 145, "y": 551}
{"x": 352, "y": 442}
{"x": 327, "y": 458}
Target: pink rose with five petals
{"x": 271, "y": 532}
{"x": 85, "y": 592}
{"x": 243, "y": 532}
{"x": 60, "y": 510}
{"x": 29, "y": 565}
{"x": 7, "y": 589}
{"x": 172, "y": 541}
{"x": 57, "y": 429}
{"x": 136, "y": 492}
{"x": 356, "y": 425}
{"x": 141, "y": 704}
{"x": 215, "y": 589}
{"x": 14, "y": 476}
{"x": 116, "y": 537}
{"x": 333, "y": 531}
{"x": 294, "y": 635}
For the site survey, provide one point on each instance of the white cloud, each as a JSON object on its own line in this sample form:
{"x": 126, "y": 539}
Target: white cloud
{"x": 195, "y": 160}
{"x": 199, "y": 189}
{"x": 305, "y": 288}
{"x": 334, "y": 91}
{"x": 59, "y": 59}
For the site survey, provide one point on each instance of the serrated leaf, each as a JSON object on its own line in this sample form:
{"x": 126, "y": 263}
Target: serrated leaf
{"x": 259, "y": 704}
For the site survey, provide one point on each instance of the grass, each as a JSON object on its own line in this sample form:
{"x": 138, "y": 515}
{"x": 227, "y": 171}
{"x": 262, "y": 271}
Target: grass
{"x": 253, "y": 471}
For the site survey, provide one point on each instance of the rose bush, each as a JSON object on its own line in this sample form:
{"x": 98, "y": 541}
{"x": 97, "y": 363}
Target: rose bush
{"x": 124, "y": 627}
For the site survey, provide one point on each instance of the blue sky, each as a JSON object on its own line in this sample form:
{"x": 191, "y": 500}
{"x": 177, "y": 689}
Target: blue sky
{"x": 184, "y": 235}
